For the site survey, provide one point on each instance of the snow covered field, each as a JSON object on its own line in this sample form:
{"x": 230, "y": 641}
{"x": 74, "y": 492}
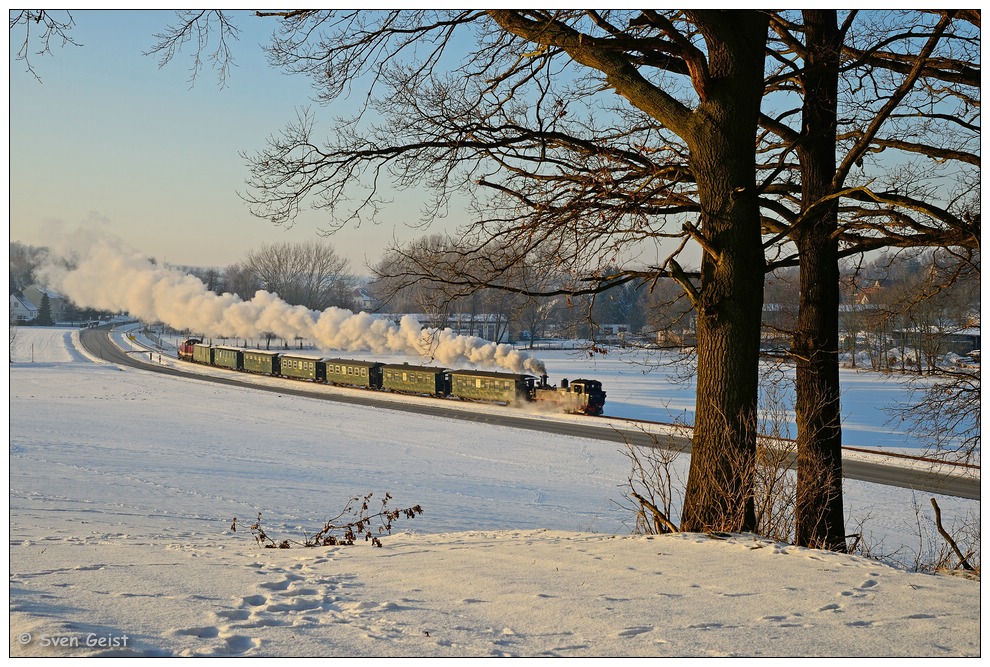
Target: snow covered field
{"x": 123, "y": 484}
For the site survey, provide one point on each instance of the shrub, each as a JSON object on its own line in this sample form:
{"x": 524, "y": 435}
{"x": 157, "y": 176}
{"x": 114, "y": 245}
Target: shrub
{"x": 354, "y": 522}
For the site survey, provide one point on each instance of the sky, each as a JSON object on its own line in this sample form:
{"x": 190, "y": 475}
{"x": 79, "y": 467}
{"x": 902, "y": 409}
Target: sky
{"x": 107, "y": 140}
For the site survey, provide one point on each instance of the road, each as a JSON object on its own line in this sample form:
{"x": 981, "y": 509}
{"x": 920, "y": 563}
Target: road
{"x": 97, "y": 342}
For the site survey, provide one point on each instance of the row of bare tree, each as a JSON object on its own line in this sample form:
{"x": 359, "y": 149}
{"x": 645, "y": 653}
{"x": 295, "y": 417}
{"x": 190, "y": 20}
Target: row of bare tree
{"x": 310, "y": 274}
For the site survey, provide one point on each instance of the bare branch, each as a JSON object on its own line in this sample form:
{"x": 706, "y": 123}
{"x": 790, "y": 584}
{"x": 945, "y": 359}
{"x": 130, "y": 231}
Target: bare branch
{"x": 199, "y": 28}
{"x": 41, "y": 28}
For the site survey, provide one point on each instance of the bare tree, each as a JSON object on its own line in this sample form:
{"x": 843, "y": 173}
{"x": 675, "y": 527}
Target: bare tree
{"x": 13, "y": 331}
{"x": 239, "y": 279}
{"x": 802, "y": 203}
{"x": 519, "y": 128}
{"x": 309, "y": 274}
{"x": 24, "y": 262}
{"x": 894, "y": 81}
{"x": 925, "y": 307}
{"x": 212, "y": 277}
{"x": 399, "y": 279}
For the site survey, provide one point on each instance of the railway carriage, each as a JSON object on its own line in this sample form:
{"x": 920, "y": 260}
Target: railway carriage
{"x": 357, "y": 373}
{"x": 202, "y": 353}
{"x": 302, "y": 367}
{"x": 228, "y": 357}
{"x": 416, "y": 379}
{"x": 492, "y": 386}
{"x": 262, "y": 361}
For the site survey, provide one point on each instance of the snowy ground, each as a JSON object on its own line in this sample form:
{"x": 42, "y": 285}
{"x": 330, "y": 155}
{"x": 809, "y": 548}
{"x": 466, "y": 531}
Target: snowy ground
{"x": 123, "y": 484}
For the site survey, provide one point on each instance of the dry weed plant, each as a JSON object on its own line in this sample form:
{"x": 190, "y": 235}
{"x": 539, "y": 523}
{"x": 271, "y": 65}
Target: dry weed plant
{"x": 354, "y": 522}
{"x": 654, "y": 488}
{"x": 938, "y": 549}
{"x": 953, "y": 549}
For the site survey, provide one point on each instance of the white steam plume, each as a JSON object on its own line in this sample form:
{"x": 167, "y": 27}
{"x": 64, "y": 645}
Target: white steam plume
{"x": 108, "y": 276}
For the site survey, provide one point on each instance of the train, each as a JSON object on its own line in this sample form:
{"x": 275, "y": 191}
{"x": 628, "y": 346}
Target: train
{"x": 581, "y": 396}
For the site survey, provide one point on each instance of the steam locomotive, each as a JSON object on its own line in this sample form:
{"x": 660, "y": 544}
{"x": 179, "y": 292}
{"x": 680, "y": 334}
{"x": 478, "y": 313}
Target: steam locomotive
{"x": 577, "y": 396}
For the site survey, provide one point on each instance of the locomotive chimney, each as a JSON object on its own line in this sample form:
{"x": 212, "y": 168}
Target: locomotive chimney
{"x": 544, "y": 381}
{"x": 563, "y": 383}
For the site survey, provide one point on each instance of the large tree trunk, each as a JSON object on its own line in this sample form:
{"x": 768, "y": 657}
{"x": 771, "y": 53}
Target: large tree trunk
{"x": 815, "y": 347}
{"x": 730, "y": 299}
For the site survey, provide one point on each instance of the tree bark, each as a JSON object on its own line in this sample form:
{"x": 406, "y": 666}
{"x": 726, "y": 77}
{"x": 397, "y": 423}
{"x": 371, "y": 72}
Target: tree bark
{"x": 815, "y": 347}
{"x": 730, "y": 299}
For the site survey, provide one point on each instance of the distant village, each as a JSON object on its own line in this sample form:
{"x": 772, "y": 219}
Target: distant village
{"x": 895, "y": 314}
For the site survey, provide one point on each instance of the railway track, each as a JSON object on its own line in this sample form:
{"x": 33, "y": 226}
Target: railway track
{"x": 934, "y": 480}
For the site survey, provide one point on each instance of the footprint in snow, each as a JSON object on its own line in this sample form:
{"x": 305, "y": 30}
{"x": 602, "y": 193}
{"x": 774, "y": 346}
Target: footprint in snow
{"x": 205, "y": 632}
{"x": 255, "y": 600}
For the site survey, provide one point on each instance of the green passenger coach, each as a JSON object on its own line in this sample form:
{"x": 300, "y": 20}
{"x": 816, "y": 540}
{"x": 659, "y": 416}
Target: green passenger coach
{"x": 491, "y": 386}
{"x": 356, "y": 373}
{"x": 261, "y": 361}
{"x": 228, "y": 357}
{"x": 203, "y": 353}
{"x": 416, "y": 379}
{"x": 302, "y": 367}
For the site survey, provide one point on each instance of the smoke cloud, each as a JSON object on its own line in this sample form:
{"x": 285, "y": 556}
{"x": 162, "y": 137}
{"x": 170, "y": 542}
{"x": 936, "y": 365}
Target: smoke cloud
{"x": 104, "y": 274}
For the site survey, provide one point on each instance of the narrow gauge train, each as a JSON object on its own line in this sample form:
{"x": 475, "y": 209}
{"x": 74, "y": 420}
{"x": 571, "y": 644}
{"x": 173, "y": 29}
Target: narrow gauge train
{"x": 578, "y": 396}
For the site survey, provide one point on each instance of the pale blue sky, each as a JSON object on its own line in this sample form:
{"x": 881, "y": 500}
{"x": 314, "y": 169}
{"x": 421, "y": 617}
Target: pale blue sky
{"x": 109, "y": 140}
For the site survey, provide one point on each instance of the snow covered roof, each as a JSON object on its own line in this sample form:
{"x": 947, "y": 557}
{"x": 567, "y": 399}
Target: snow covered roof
{"x": 52, "y": 294}
{"x": 17, "y": 303}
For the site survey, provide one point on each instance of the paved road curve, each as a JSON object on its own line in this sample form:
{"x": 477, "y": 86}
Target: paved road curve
{"x": 97, "y": 342}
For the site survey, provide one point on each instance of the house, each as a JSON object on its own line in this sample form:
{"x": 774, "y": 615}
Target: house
{"x": 362, "y": 300}
{"x": 868, "y": 294}
{"x": 58, "y": 302}
{"x": 21, "y": 310}
{"x": 611, "y": 332}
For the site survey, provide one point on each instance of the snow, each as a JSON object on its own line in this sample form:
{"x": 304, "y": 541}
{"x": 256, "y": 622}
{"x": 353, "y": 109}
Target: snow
{"x": 123, "y": 485}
